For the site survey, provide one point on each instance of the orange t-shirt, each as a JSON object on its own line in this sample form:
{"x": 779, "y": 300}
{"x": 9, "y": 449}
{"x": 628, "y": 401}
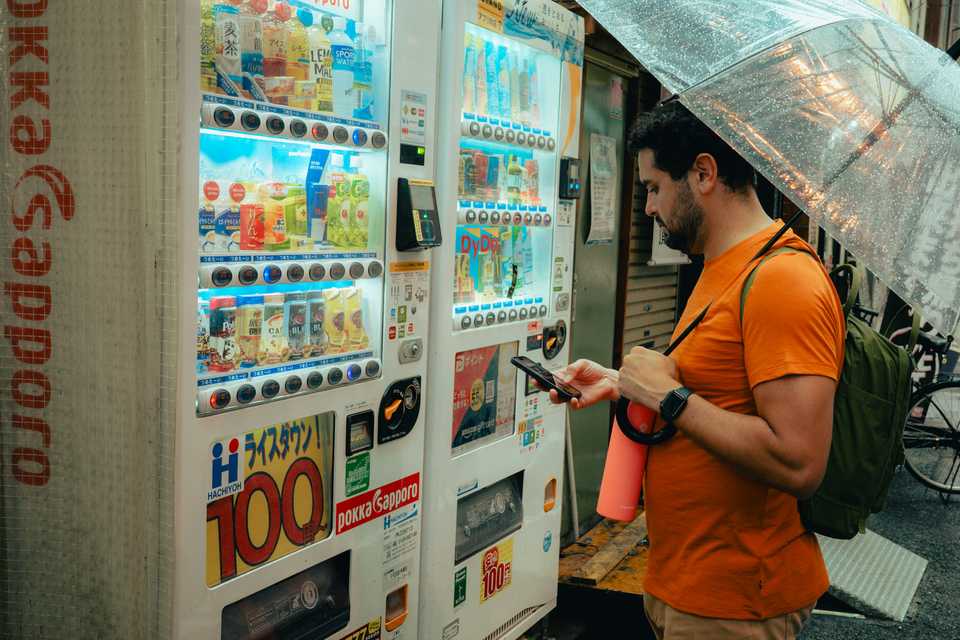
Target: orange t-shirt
{"x": 723, "y": 545}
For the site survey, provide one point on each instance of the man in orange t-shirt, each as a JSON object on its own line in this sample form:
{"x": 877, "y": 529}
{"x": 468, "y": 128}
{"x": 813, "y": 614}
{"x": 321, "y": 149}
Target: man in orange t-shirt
{"x": 751, "y": 398}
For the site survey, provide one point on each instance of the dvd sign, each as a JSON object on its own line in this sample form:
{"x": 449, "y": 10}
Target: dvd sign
{"x": 377, "y": 503}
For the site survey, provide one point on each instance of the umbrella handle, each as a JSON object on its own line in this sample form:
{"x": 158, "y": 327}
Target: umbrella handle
{"x": 629, "y": 430}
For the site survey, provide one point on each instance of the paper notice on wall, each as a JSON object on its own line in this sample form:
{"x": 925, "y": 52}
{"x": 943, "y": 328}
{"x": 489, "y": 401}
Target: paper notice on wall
{"x": 604, "y": 182}
{"x": 660, "y": 253}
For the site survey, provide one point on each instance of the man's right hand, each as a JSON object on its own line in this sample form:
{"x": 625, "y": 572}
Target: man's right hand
{"x": 595, "y": 382}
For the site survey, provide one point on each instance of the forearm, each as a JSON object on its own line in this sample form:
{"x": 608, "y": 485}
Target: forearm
{"x": 749, "y": 443}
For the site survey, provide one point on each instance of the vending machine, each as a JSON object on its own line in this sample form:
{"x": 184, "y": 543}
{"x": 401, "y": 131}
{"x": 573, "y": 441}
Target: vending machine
{"x": 309, "y": 214}
{"x": 510, "y": 82}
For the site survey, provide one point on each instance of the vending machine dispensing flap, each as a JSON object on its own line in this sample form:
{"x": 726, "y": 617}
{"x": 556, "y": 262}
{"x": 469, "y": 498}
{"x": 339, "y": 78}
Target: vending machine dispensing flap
{"x": 418, "y": 223}
{"x": 488, "y": 515}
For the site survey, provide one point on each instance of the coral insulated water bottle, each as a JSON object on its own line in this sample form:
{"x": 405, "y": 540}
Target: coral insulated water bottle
{"x": 627, "y": 459}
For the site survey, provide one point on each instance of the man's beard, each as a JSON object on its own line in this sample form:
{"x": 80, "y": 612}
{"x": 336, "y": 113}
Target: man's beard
{"x": 687, "y": 220}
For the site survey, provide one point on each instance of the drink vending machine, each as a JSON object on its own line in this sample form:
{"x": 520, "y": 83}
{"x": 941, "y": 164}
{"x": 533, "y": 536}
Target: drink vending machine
{"x": 508, "y": 132}
{"x": 219, "y": 216}
{"x": 301, "y": 432}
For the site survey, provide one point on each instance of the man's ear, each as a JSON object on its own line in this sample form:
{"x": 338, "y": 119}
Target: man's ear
{"x": 703, "y": 174}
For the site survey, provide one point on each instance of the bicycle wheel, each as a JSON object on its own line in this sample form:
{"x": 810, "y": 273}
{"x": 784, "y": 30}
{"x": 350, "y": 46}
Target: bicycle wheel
{"x": 931, "y": 436}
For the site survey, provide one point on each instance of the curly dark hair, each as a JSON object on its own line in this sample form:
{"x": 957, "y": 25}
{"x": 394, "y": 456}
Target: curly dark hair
{"x": 677, "y": 137}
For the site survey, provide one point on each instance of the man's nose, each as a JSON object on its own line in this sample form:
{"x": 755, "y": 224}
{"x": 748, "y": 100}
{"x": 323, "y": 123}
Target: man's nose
{"x": 650, "y": 208}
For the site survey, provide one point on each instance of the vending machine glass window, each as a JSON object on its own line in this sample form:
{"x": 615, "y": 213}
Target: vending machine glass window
{"x": 506, "y": 180}
{"x": 292, "y": 195}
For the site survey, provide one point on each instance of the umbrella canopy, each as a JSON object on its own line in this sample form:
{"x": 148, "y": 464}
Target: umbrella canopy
{"x": 851, "y": 116}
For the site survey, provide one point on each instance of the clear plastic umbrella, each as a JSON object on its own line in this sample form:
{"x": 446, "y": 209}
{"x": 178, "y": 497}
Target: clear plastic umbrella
{"x": 851, "y": 116}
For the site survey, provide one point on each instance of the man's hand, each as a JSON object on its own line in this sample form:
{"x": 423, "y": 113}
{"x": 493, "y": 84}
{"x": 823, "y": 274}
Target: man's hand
{"x": 647, "y": 377}
{"x": 595, "y": 382}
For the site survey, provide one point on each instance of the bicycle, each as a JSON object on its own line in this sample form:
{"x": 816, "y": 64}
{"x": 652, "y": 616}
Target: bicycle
{"x": 931, "y": 435}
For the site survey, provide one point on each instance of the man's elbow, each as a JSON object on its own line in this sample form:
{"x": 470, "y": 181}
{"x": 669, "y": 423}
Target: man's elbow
{"x": 806, "y": 482}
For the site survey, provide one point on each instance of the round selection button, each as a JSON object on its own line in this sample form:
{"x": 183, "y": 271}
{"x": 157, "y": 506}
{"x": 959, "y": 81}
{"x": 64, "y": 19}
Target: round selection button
{"x": 337, "y": 271}
{"x": 372, "y": 369}
{"x": 270, "y": 389}
{"x": 293, "y": 384}
{"x": 272, "y": 274}
{"x": 294, "y": 273}
{"x": 248, "y": 275}
{"x": 317, "y": 271}
{"x": 335, "y": 376}
{"x": 221, "y": 276}
{"x": 219, "y": 399}
{"x": 315, "y": 380}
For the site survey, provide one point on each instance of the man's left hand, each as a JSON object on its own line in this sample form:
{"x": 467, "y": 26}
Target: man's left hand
{"x": 647, "y": 377}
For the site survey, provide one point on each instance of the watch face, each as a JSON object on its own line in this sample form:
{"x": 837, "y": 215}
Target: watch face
{"x": 674, "y": 403}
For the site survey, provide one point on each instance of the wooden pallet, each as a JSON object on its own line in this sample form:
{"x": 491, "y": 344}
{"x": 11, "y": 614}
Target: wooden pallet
{"x": 609, "y": 557}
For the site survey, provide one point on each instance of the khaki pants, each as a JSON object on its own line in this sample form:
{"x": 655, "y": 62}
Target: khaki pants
{"x": 669, "y": 624}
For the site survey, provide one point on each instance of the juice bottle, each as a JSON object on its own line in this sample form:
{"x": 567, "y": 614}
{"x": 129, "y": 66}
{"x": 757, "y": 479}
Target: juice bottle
{"x": 358, "y": 336}
{"x": 208, "y": 47}
{"x": 203, "y": 336}
{"x": 514, "y": 181}
{"x": 534, "y": 96}
{"x": 321, "y": 67}
{"x": 363, "y": 72}
{"x": 316, "y": 344}
{"x": 276, "y": 40}
{"x": 249, "y": 329}
{"x": 295, "y": 216}
{"x": 524, "y": 102}
{"x": 493, "y": 88}
{"x": 343, "y": 51}
{"x": 335, "y": 321}
{"x": 223, "y": 342}
{"x": 338, "y": 203}
{"x": 275, "y": 235}
{"x": 480, "y": 185}
{"x": 503, "y": 81}
{"x": 514, "y": 87}
{"x": 251, "y": 220}
{"x": 359, "y": 229}
{"x": 251, "y": 44}
{"x": 469, "y": 74}
{"x": 298, "y": 60}
{"x": 295, "y": 321}
{"x": 227, "y": 20}
{"x": 532, "y": 182}
{"x": 209, "y": 200}
{"x": 273, "y": 336}
{"x": 480, "y": 100}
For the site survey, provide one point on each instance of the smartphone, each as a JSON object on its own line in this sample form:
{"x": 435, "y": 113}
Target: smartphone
{"x": 545, "y": 378}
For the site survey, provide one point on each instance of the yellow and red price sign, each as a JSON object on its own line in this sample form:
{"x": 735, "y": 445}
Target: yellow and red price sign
{"x": 496, "y": 569}
{"x": 270, "y": 493}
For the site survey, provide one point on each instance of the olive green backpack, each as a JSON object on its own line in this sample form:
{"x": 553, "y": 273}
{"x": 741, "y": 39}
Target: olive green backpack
{"x": 869, "y": 413}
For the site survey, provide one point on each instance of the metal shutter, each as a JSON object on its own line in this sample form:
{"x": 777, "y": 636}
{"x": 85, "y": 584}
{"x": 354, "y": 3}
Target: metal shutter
{"x": 651, "y": 297}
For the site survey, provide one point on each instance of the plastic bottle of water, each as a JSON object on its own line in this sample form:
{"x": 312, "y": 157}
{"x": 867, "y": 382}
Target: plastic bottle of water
{"x": 363, "y": 73}
{"x": 343, "y": 52}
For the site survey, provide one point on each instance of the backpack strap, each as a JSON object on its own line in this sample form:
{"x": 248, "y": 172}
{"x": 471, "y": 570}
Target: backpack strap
{"x": 753, "y": 275}
{"x": 914, "y": 331}
{"x": 857, "y": 276}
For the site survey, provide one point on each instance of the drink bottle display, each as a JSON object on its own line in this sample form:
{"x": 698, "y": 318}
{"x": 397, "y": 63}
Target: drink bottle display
{"x": 298, "y": 53}
{"x": 228, "y": 60}
{"x": 343, "y": 52}
{"x": 251, "y": 44}
{"x": 276, "y": 44}
{"x": 321, "y": 67}
{"x": 249, "y": 328}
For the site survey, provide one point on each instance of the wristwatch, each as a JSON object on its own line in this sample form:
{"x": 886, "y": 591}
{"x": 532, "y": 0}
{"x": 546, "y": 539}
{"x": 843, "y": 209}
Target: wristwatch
{"x": 673, "y": 405}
